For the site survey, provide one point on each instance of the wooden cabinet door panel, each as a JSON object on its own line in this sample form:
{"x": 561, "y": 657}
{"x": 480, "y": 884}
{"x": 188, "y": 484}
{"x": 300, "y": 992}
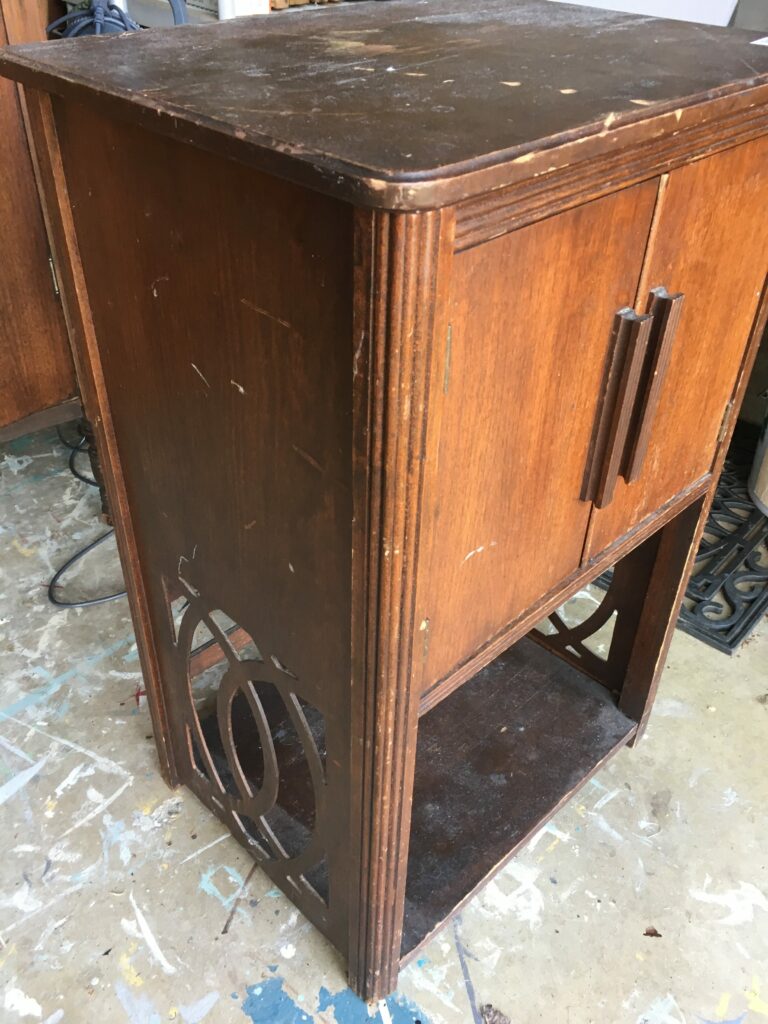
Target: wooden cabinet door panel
{"x": 710, "y": 243}
{"x": 36, "y": 369}
{"x": 513, "y": 408}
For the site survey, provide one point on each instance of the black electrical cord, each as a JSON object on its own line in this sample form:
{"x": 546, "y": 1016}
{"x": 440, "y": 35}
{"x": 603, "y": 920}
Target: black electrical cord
{"x": 73, "y": 467}
{"x": 75, "y": 450}
{"x": 68, "y": 565}
{"x": 102, "y": 17}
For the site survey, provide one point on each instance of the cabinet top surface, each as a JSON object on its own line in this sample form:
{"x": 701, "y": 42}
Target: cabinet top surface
{"x": 408, "y": 103}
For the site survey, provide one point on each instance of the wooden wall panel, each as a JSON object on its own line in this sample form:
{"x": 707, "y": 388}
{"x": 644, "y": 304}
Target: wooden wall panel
{"x": 36, "y": 370}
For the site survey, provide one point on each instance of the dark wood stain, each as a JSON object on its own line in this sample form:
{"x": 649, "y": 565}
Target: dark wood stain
{"x": 492, "y": 765}
{"x": 367, "y": 97}
{"x": 360, "y": 391}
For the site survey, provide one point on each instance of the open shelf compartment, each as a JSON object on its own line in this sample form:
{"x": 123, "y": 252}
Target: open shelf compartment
{"x": 494, "y": 761}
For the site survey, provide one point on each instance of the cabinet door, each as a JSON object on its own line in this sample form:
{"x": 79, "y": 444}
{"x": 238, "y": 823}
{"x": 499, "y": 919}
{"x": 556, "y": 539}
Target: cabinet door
{"x": 710, "y": 246}
{"x": 36, "y": 369}
{"x": 515, "y": 391}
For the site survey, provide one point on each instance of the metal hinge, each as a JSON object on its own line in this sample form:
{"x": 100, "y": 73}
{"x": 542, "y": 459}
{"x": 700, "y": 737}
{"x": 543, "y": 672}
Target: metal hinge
{"x": 726, "y": 422}
{"x": 54, "y": 277}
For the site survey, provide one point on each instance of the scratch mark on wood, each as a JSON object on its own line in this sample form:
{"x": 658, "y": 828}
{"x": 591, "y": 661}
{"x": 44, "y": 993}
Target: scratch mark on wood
{"x": 308, "y": 458}
{"x": 200, "y": 374}
{"x": 267, "y": 314}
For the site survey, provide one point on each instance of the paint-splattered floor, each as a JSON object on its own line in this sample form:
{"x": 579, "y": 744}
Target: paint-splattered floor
{"x": 121, "y": 901}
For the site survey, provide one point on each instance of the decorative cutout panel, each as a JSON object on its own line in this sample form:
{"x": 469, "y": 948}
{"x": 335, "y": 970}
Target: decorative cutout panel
{"x": 582, "y": 629}
{"x": 255, "y": 749}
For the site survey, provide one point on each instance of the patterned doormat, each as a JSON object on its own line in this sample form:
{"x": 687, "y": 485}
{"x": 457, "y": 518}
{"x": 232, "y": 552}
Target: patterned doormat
{"x": 727, "y": 594}
{"x": 728, "y": 591}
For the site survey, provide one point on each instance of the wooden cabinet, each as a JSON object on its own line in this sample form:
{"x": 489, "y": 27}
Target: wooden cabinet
{"x": 519, "y": 371}
{"x": 36, "y": 370}
{"x": 381, "y": 389}
{"x": 710, "y": 244}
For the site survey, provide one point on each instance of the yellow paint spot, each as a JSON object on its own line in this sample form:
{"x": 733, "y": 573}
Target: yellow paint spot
{"x": 173, "y": 1013}
{"x": 754, "y": 1002}
{"x": 8, "y": 952}
{"x": 148, "y": 808}
{"x": 50, "y": 807}
{"x": 512, "y": 85}
{"x": 639, "y": 956}
{"x": 581, "y": 810}
{"x": 130, "y": 973}
{"x": 555, "y": 842}
{"x": 26, "y": 552}
{"x": 722, "y": 1006}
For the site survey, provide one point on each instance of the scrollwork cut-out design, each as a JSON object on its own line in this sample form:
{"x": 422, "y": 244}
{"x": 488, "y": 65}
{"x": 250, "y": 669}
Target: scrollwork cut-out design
{"x": 582, "y": 629}
{"x": 255, "y": 749}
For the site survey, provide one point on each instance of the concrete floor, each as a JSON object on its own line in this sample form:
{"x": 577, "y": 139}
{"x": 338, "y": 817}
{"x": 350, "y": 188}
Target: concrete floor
{"x": 122, "y": 901}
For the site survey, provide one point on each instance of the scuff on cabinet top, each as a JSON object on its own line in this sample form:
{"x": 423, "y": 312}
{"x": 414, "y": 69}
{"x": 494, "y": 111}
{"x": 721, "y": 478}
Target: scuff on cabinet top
{"x": 413, "y": 103}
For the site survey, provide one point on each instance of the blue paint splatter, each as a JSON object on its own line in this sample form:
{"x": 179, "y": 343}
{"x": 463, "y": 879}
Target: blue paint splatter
{"x": 208, "y": 886}
{"x": 55, "y": 683}
{"x": 267, "y": 1003}
{"x": 350, "y": 1009}
{"x": 736, "y": 1020}
{"x": 422, "y": 961}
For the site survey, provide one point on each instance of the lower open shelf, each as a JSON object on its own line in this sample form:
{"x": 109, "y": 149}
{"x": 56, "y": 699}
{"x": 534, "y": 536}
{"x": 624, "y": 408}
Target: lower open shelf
{"x": 494, "y": 761}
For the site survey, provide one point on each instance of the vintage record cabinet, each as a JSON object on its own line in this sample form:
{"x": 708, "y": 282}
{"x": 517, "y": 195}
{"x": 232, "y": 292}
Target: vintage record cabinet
{"x": 398, "y": 324}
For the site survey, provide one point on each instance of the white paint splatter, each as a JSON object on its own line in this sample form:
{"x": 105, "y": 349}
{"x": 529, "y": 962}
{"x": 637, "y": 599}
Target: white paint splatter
{"x": 741, "y": 903}
{"x": 288, "y": 951}
{"x": 661, "y": 1012}
{"x": 21, "y": 1004}
{"x": 730, "y": 796}
{"x": 525, "y": 902}
{"x": 149, "y": 938}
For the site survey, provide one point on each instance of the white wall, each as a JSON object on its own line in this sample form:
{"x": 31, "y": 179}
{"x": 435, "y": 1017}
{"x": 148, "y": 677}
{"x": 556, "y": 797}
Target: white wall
{"x": 708, "y": 12}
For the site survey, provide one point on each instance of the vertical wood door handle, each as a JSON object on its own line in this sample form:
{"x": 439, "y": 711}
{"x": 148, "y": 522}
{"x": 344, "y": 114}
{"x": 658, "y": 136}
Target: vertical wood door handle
{"x": 631, "y": 333}
{"x": 665, "y": 310}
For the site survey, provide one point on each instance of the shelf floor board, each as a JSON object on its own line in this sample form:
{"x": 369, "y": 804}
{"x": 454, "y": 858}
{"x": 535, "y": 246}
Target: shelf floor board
{"x": 495, "y": 760}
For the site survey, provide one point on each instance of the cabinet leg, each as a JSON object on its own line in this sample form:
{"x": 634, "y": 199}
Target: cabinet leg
{"x": 657, "y": 614}
{"x": 644, "y": 598}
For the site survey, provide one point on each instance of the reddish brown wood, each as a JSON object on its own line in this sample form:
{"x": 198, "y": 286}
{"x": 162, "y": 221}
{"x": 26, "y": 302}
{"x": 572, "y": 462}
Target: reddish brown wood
{"x": 354, "y": 440}
{"x": 514, "y": 417}
{"x": 394, "y": 324}
{"x": 36, "y": 371}
{"x": 711, "y": 244}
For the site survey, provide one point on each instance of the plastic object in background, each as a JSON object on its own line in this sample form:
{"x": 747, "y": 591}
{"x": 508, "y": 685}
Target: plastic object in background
{"x": 240, "y": 8}
{"x": 706, "y": 12}
{"x": 758, "y": 480}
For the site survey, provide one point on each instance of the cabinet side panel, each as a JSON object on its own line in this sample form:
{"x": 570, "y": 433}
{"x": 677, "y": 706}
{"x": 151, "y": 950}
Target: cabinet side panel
{"x": 221, "y": 303}
{"x": 517, "y": 403}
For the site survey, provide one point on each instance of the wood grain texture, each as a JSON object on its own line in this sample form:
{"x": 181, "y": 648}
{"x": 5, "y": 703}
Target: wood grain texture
{"x": 711, "y": 245}
{"x": 400, "y": 260}
{"x": 431, "y": 91}
{"x": 36, "y": 370}
{"x": 236, "y": 461}
{"x": 558, "y": 595}
{"x": 77, "y": 310}
{"x": 531, "y": 317}
{"x": 637, "y": 330}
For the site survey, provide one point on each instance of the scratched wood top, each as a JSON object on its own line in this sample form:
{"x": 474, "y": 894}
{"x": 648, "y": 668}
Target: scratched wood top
{"x": 392, "y": 103}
